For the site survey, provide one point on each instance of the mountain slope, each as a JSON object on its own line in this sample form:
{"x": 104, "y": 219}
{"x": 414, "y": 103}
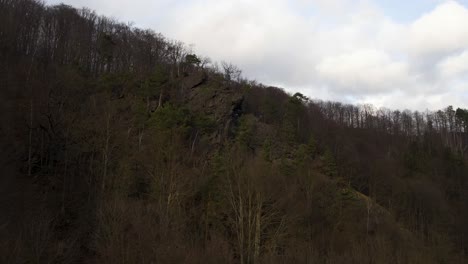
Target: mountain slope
{"x": 120, "y": 146}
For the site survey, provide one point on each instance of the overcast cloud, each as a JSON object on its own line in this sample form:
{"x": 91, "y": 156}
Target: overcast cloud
{"x": 399, "y": 56}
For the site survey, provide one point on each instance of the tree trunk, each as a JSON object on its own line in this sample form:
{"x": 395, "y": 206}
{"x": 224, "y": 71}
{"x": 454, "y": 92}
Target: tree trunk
{"x": 258, "y": 218}
{"x": 160, "y": 99}
{"x": 106, "y": 153}
{"x": 30, "y": 138}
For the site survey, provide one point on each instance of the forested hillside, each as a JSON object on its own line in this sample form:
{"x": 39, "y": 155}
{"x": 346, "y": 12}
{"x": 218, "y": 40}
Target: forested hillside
{"x": 122, "y": 146}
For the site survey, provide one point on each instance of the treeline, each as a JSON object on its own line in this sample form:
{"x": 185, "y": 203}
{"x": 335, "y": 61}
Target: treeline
{"x": 129, "y": 148}
{"x": 451, "y": 124}
{"x": 63, "y": 35}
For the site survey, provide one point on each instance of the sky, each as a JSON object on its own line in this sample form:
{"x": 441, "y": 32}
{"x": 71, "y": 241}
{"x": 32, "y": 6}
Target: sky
{"x": 394, "y": 53}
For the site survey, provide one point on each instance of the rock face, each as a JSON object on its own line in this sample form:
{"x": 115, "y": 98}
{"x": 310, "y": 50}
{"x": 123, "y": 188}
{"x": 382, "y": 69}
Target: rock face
{"x": 192, "y": 80}
{"x": 220, "y": 102}
{"x": 176, "y": 88}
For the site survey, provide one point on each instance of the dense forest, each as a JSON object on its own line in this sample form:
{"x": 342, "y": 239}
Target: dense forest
{"x": 122, "y": 146}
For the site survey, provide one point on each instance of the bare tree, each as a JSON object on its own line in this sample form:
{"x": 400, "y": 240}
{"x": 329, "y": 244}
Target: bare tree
{"x": 231, "y": 72}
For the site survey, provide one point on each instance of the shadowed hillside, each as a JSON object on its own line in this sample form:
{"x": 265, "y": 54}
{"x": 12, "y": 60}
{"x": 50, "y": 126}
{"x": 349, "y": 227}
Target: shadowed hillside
{"x": 122, "y": 146}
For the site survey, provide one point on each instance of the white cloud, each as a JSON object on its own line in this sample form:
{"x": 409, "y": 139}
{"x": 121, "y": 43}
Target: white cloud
{"x": 370, "y": 71}
{"x": 442, "y": 31}
{"x": 333, "y": 49}
{"x": 455, "y": 65}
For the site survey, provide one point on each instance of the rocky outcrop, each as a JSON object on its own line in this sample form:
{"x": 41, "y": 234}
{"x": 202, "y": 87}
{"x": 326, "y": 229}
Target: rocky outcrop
{"x": 176, "y": 89}
{"x": 192, "y": 80}
{"x": 223, "y": 104}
